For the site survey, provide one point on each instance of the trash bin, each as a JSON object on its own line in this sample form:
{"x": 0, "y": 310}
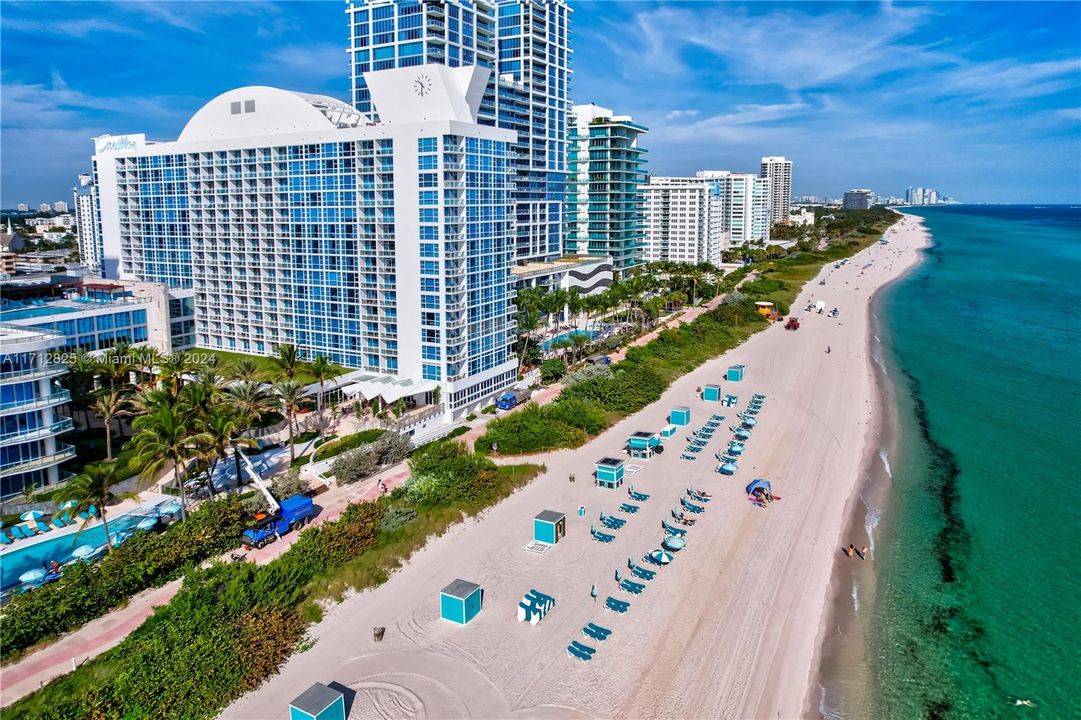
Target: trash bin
{"x": 377, "y": 633}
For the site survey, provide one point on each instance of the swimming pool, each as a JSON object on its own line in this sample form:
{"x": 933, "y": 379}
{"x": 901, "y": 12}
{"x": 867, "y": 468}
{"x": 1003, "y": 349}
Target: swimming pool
{"x": 591, "y": 334}
{"x": 15, "y": 561}
{"x": 29, "y": 312}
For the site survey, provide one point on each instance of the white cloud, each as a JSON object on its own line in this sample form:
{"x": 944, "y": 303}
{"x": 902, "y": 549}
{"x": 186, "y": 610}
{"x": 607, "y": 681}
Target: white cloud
{"x": 677, "y": 114}
{"x": 305, "y": 66}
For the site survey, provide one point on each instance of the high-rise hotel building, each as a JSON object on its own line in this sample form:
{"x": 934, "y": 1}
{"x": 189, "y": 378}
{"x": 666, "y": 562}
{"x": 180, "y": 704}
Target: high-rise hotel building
{"x": 292, "y": 218}
{"x": 779, "y": 172}
{"x": 526, "y": 44}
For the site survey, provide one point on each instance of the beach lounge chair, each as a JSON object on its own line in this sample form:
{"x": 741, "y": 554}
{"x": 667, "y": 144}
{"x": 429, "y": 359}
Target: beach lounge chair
{"x": 615, "y": 605}
{"x": 687, "y": 505}
{"x": 601, "y": 537}
{"x": 578, "y": 654}
{"x": 672, "y": 529}
{"x": 628, "y": 508}
{"x": 58, "y": 522}
{"x": 637, "y": 496}
{"x": 83, "y": 516}
{"x": 4, "y": 539}
{"x": 699, "y": 443}
{"x": 642, "y": 573}
{"x": 42, "y": 527}
{"x": 529, "y": 613}
{"x": 611, "y": 522}
{"x": 632, "y": 587}
{"x": 596, "y": 632}
{"x": 93, "y": 511}
{"x": 758, "y": 396}
{"x": 716, "y": 417}
{"x": 685, "y": 456}
{"x": 682, "y": 519}
{"x": 19, "y": 533}
{"x": 698, "y": 498}
{"x": 591, "y": 651}
{"x": 693, "y": 448}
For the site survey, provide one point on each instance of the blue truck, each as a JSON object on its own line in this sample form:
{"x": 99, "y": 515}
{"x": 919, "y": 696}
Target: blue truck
{"x": 512, "y": 398}
{"x": 293, "y": 514}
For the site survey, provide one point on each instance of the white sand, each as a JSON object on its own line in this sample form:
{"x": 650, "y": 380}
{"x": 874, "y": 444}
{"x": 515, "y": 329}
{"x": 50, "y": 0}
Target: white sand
{"x": 728, "y": 630}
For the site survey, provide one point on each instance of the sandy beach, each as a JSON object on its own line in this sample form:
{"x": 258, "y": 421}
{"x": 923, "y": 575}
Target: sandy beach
{"x": 728, "y": 630}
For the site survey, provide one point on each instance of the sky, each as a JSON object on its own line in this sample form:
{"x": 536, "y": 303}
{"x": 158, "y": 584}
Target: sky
{"x": 981, "y": 101}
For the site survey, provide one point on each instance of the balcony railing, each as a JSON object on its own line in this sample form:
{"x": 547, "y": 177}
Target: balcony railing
{"x": 35, "y": 373}
{"x": 38, "y": 433}
{"x": 63, "y": 452}
{"x": 56, "y": 397}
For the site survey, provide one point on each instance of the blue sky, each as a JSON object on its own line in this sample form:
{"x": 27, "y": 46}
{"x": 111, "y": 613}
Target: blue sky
{"x": 979, "y": 100}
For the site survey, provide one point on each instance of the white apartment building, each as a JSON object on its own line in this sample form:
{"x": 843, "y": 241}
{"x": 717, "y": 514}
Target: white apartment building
{"x": 60, "y": 206}
{"x": 684, "y": 220}
{"x": 64, "y": 221}
{"x": 779, "y": 172}
{"x": 90, "y": 249}
{"x": 745, "y": 208}
{"x": 295, "y": 218}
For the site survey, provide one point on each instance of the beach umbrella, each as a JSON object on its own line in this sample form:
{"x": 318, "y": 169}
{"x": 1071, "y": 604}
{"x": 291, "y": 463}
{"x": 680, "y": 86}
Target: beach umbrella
{"x": 118, "y": 537}
{"x": 31, "y": 515}
{"x": 660, "y": 557}
{"x": 83, "y": 551}
{"x": 147, "y": 523}
{"x": 674, "y": 543}
{"x": 728, "y": 468}
{"x": 32, "y": 576}
{"x": 68, "y": 505}
{"x": 743, "y": 434}
{"x": 169, "y": 508}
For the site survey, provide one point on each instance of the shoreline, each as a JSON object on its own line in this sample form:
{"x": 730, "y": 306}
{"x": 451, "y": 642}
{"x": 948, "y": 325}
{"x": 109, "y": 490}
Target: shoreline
{"x": 841, "y": 670}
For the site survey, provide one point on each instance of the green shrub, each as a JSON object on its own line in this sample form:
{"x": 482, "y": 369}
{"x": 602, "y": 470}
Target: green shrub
{"x": 470, "y": 417}
{"x": 396, "y": 517}
{"x": 457, "y": 432}
{"x": 552, "y": 370}
{"x": 355, "y": 465}
{"x": 146, "y": 560}
{"x": 446, "y": 472}
{"x": 349, "y": 442}
{"x": 306, "y": 436}
{"x": 529, "y": 430}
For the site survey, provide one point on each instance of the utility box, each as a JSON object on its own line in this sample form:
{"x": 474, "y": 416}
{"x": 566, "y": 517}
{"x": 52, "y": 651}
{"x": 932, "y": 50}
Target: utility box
{"x": 680, "y": 415}
{"x": 609, "y": 472}
{"x": 711, "y": 393}
{"x": 668, "y": 431}
{"x": 735, "y": 373}
{"x": 318, "y": 702}
{"x": 460, "y": 601}
{"x": 549, "y": 526}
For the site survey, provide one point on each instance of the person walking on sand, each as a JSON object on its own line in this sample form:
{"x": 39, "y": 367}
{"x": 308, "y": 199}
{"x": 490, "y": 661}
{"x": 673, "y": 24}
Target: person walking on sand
{"x": 865, "y": 551}
{"x": 851, "y": 549}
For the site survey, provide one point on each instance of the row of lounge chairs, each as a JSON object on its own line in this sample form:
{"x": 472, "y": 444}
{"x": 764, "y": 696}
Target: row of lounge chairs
{"x": 584, "y": 652}
{"x": 31, "y": 528}
{"x": 534, "y": 606}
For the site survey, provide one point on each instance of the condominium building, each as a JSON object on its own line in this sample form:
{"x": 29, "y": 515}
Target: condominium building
{"x": 23, "y": 207}
{"x": 779, "y": 172}
{"x": 684, "y": 220}
{"x": 30, "y": 426}
{"x": 526, "y": 44}
{"x": 45, "y": 207}
{"x": 606, "y": 166}
{"x": 294, "y": 218}
{"x": 91, "y": 252}
{"x": 60, "y": 206}
{"x": 745, "y": 203}
{"x": 858, "y": 199}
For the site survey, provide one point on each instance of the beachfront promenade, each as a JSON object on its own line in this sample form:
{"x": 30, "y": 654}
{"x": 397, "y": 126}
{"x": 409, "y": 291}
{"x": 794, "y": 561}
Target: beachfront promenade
{"x": 728, "y": 630}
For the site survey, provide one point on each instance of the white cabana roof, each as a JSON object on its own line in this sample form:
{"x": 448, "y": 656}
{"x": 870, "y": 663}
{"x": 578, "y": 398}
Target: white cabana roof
{"x": 370, "y": 386}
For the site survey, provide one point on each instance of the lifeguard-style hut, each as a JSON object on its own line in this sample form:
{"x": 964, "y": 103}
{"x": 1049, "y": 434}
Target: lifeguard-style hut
{"x": 318, "y": 702}
{"x": 460, "y": 601}
{"x": 735, "y": 373}
{"x": 549, "y": 526}
{"x": 642, "y": 444}
{"x": 680, "y": 415}
{"x": 609, "y": 472}
{"x": 764, "y": 308}
{"x": 711, "y": 393}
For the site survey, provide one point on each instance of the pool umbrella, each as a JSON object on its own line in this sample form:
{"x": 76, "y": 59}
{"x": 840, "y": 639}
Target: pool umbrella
{"x": 68, "y": 505}
{"x": 169, "y": 508}
{"x": 32, "y": 576}
{"x": 147, "y": 523}
{"x": 83, "y": 551}
{"x": 31, "y": 515}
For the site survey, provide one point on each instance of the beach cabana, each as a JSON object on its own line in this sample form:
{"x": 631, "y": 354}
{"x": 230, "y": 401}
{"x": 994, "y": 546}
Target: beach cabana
{"x": 759, "y": 484}
{"x": 460, "y": 601}
{"x": 668, "y": 431}
{"x": 711, "y": 393}
{"x": 318, "y": 702}
{"x": 642, "y": 444}
{"x": 549, "y": 526}
{"x": 680, "y": 415}
{"x": 764, "y": 308}
{"x": 735, "y": 373}
{"x": 609, "y": 473}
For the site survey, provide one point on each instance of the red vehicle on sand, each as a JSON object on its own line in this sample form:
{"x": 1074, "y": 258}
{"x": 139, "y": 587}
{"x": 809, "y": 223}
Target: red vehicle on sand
{"x": 792, "y": 324}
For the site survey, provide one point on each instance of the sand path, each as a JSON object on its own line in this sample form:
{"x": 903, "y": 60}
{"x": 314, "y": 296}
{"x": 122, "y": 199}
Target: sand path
{"x": 728, "y": 630}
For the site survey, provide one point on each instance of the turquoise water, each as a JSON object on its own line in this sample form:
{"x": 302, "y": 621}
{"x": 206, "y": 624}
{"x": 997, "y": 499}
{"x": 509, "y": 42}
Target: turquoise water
{"x": 15, "y": 561}
{"x": 592, "y": 333}
{"x": 977, "y": 571}
{"x": 29, "y": 312}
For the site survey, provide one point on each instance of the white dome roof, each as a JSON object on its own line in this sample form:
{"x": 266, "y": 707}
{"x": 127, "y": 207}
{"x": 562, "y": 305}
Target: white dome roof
{"x": 259, "y": 110}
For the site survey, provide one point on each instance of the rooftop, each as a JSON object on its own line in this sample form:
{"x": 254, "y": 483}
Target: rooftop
{"x": 550, "y": 516}
{"x": 461, "y": 589}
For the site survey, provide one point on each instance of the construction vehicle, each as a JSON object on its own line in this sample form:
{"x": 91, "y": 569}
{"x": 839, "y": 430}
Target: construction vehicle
{"x": 512, "y": 398}
{"x": 293, "y": 513}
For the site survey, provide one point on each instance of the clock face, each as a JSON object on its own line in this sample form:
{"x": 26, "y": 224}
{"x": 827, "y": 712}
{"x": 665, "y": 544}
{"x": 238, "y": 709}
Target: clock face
{"x": 422, "y": 85}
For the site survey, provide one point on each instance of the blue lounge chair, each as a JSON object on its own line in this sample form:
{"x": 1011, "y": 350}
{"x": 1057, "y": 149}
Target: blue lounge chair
{"x": 4, "y": 539}
{"x": 687, "y": 505}
{"x": 717, "y": 417}
{"x": 42, "y": 527}
{"x": 642, "y": 573}
{"x": 83, "y": 516}
{"x": 632, "y": 587}
{"x": 596, "y": 632}
{"x": 618, "y": 606}
{"x": 600, "y": 536}
{"x": 58, "y": 522}
{"x": 93, "y": 511}
{"x": 628, "y": 508}
{"x": 20, "y": 533}
{"x": 673, "y": 530}
{"x": 697, "y": 497}
{"x": 591, "y": 651}
{"x": 611, "y": 522}
{"x": 699, "y": 443}
{"x": 637, "y": 496}
{"x": 685, "y": 456}
{"x": 578, "y": 654}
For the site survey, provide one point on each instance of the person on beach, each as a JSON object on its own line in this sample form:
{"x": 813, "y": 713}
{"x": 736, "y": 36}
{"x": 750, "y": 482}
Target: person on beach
{"x": 864, "y": 551}
{"x": 851, "y": 550}
{"x": 827, "y": 349}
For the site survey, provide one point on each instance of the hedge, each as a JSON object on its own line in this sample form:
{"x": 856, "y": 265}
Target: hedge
{"x": 85, "y": 592}
{"x": 349, "y": 442}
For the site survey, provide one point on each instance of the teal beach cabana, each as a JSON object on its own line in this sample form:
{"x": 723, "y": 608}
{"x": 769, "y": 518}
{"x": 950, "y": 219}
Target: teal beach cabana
{"x": 668, "y": 431}
{"x": 609, "y": 473}
{"x": 711, "y": 393}
{"x": 735, "y": 373}
{"x": 680, "y": 415}
{"x": 549, "y": 526}
{"x": 460, "y": 601}
{"x": 318, "y": 702}
{"x": 642, "y": 444}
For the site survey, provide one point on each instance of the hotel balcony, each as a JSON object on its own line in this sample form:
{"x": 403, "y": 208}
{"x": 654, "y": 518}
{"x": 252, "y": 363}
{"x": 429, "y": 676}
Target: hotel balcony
{"x": 63, "y": 452}
{"x": 34, "y": 373}
{"x": 57, "y": 397}
{"x": 38, "y": 433}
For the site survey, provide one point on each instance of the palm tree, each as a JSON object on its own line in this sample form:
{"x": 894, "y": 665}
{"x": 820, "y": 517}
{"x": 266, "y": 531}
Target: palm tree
{"x": 166, "y": 436}
{"x": 286, "y": 360}
{"x": 290, "y": 394}
{"x": 145, "y": 359}
{"x": 246, "y": 369}
{"x": 172, "y": 370}
{"x": 322, "y": 370}
{"x": 220, "y": 428}
{"x": 249, "y": 401}
{"x": 111, "y": 405}
{"x": 80, "y": 383}
{"x": 94, "y": 486}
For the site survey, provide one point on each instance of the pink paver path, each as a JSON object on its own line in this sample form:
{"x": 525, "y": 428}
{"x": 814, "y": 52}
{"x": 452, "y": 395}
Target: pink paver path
{"x": 97, "y": 636}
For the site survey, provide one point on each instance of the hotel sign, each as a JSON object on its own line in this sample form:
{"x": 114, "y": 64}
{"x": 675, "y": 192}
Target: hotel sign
{"x": 118, "y": 143}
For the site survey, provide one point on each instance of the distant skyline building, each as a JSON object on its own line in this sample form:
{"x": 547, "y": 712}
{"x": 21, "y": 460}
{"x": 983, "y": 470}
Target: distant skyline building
{"x": 858, "y": 199}
{"x": 45, "y": 207}
{"x": 606, "y": 166}
{"x": 291, "y": 219}
{"x": 923, "y": 196}
{"x": 779, "y": 172}
{"x": 684, "y": 220}
{"x": 60, "y": 206}
{"x": 526, "y": 43}
{"x": 23, "y": 207}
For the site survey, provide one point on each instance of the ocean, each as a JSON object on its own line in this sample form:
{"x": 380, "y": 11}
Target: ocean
{"x": 971, "y": 597}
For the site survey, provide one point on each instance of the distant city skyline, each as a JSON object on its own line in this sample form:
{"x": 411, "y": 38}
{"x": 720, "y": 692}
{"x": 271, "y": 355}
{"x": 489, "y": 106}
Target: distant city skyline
{"x": 930, "y": 91}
